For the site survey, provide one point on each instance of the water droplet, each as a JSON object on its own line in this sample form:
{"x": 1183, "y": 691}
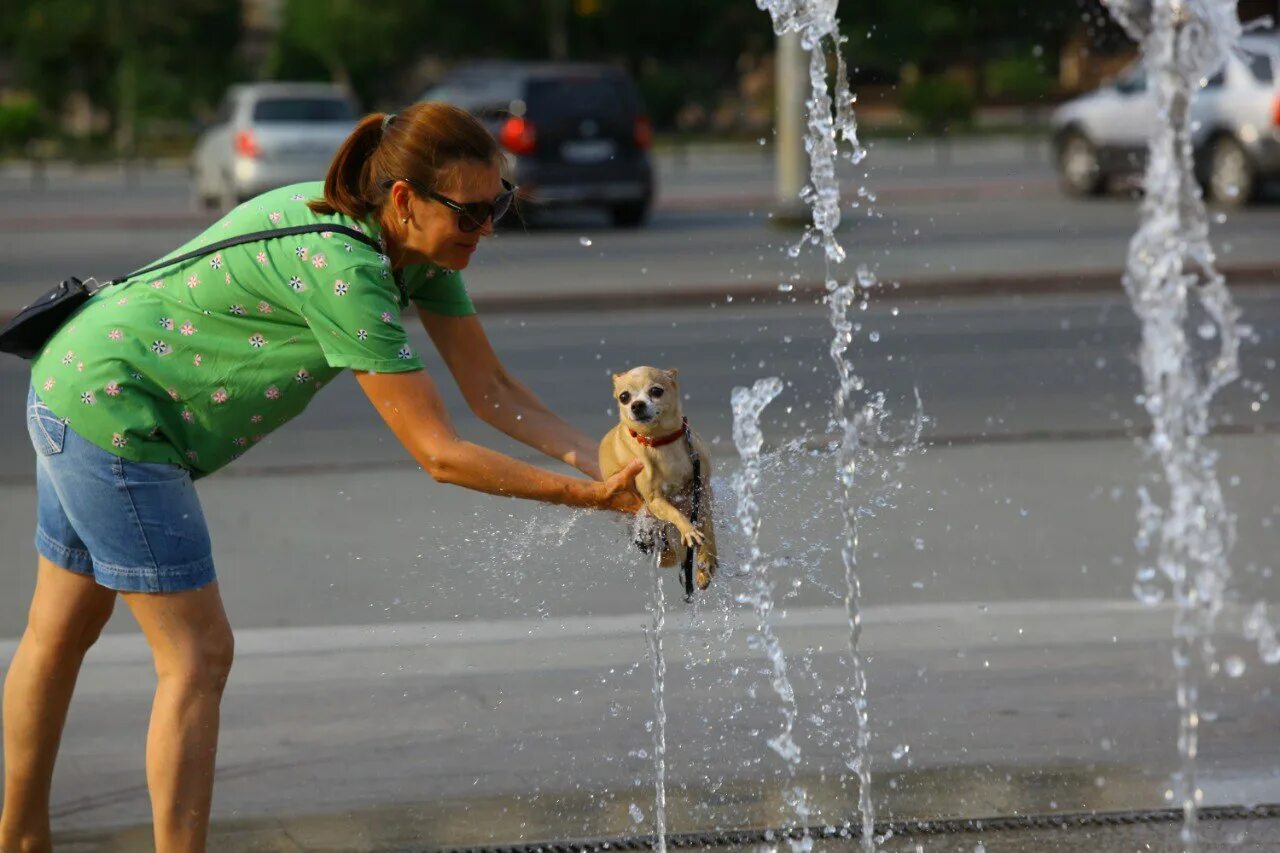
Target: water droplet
{"x": 636, "y": 814}
{"x": 874, "y": 337}
{"x": 584, "y": 241}
{"x": 1207, "y": 331}
{"x": 1235, "y": 666}
{"x": 786, "y": 287}
{"x": 900, "y": 751}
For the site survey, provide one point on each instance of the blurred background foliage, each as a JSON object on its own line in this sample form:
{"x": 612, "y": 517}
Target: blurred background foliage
{"x": 131, "y": 71}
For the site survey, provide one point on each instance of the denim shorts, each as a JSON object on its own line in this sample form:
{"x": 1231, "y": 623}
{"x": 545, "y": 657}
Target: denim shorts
{"x": 131, "y": 526}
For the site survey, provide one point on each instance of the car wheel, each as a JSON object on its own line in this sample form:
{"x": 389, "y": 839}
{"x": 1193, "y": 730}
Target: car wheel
{"x": 1078, "y": 167}
{"x": 629, "y": 215}
{"x": 1232, "y": 180}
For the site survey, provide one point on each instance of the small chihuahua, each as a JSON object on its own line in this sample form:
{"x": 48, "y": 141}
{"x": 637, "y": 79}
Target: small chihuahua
{"x": 653, "y": 430}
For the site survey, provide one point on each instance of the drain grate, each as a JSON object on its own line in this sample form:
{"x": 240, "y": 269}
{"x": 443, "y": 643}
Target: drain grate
{"x": 899, "y": 829}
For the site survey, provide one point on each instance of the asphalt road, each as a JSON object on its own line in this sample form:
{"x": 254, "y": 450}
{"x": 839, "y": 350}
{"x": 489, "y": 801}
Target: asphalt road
{"x": 1046, "y": 383}
{"x": 993, "y": 210}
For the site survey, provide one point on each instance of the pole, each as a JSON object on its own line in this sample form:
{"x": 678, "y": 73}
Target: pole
{"x": 791, "y": 163}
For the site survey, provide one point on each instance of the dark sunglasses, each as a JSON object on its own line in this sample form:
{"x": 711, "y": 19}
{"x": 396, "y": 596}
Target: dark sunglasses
{"x": 473, "y": 214}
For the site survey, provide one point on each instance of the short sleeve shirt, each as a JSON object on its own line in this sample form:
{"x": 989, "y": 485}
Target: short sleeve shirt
{"x": 197, "y": 362}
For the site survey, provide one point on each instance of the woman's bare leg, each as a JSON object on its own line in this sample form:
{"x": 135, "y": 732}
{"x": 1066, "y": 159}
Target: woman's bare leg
{"x": 192, "y": 645}
{"x": 68, "y": 612}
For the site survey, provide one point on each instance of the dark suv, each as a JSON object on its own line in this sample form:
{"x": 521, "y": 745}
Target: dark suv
{"x": 576, "y": 134}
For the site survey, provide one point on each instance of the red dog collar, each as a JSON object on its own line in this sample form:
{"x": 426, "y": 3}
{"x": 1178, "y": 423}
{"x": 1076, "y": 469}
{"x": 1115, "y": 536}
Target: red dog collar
{"x": 666, "y": 439}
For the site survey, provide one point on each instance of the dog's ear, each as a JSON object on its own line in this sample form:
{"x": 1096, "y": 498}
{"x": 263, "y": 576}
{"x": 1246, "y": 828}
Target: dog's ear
{"x": 617, "y": 377}
{"x": 672, "y": 373}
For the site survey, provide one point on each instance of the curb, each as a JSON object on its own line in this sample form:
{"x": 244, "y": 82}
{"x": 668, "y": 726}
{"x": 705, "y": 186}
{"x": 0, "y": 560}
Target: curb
{"x": 989, "y": 191}
{"x": 972, "y": 286}
{"x": 960, "y": 287}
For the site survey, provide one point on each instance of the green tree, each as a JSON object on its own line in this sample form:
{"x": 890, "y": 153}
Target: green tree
{"x": 136, "y": 59}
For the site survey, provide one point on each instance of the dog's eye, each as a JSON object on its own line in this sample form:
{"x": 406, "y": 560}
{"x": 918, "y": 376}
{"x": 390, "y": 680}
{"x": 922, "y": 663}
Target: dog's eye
{"x": 624, "y": 397}
{"x": 655, "y": 392}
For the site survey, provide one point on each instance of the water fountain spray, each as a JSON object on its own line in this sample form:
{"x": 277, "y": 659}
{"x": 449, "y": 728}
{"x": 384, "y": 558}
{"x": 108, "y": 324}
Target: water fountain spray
{"x": 748, "y": 403}
{"x": 653, "y": 634}
{"x": 831, "y": 121}
{"x": 1170, "y": 270}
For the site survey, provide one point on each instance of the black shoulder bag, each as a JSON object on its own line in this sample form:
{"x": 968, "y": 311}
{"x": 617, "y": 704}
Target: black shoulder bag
{"x": 26, "y": 334}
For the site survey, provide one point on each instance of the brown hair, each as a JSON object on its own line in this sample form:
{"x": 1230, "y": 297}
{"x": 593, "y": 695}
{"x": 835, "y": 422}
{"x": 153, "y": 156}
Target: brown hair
{"x": 421, "y": 142}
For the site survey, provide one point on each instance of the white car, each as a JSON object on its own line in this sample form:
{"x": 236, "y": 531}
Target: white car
{"x": 1235, "y": 127}
{"x": 268, "y": 135}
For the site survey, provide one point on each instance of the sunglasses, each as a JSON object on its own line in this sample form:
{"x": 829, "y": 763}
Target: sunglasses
{"x": 473, "y": 214}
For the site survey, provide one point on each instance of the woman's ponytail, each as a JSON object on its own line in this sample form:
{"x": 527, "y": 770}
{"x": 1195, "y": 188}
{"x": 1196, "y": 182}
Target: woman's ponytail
{"x": 347, "y": 187}
{"x": 423, "y": 142}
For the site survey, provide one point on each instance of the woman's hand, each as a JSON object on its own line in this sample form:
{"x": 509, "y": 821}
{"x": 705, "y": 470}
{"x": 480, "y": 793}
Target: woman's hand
{"x": 618, "y": 492}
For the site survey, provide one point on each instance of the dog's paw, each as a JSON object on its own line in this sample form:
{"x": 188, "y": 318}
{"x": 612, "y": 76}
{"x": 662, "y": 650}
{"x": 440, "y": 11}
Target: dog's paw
{"x": 693, "y": 538}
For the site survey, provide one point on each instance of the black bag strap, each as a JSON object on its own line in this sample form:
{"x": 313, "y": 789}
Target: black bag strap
{"x": 267, "y": 235}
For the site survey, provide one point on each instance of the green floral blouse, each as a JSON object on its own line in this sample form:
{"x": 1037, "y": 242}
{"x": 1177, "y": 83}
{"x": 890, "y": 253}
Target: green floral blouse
{"x": 196, "y": 363}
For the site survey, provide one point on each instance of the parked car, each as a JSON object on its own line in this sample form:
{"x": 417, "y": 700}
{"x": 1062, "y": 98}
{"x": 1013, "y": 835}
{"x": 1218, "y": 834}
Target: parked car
{"x": 267, "y": 135}
{"x": 576, "y": 134}
{"x": 1235, "y": 127}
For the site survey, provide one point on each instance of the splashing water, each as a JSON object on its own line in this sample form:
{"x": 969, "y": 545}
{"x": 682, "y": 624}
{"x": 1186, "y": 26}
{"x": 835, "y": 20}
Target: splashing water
{"x": 831, "y": 120}
{"x": 748, "y": 403}
{"x": 1170, "y": 270}
{"x": 653, "y": 633}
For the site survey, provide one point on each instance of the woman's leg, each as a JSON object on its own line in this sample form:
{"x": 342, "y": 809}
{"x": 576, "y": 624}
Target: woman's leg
{"x": 191, "y": 642}
{"x": 68, "y": 612}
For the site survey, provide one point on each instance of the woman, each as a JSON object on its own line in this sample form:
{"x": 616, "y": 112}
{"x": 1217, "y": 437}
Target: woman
{"x": 168, "y": 377}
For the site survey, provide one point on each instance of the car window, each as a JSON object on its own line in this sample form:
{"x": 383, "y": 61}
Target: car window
{"x": 482, "y": 96}
{"x": 604, "y": 96}
{"x": 1260, "y": 65}
{"x": 295, "y": 109}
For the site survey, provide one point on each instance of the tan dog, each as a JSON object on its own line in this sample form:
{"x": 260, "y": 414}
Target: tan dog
{"x": 652, "y": 429}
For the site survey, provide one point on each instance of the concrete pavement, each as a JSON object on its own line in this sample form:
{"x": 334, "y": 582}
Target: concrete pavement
{"x": 424, "y": 735}
{"x": 429, "y": 724}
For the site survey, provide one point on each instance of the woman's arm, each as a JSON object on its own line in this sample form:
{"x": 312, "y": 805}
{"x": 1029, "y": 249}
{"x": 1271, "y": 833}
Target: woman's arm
{"x": 499, "y": 399}
{"x": 412, "y": 408}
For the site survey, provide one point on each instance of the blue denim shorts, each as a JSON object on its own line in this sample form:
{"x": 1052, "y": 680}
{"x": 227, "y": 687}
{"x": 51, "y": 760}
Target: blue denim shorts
{"x": 131, "y": 526}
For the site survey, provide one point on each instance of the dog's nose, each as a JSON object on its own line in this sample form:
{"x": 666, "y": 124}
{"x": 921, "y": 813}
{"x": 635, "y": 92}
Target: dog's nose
{"x": 637, "y": 407}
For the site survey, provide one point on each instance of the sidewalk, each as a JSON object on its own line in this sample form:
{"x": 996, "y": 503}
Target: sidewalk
{"x": 321, "y": 753}
{"x": 1003, "y": 678}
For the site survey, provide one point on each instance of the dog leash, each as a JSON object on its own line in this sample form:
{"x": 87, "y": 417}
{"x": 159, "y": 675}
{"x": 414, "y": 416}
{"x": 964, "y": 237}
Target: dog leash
{"x": 686, "y": 570}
